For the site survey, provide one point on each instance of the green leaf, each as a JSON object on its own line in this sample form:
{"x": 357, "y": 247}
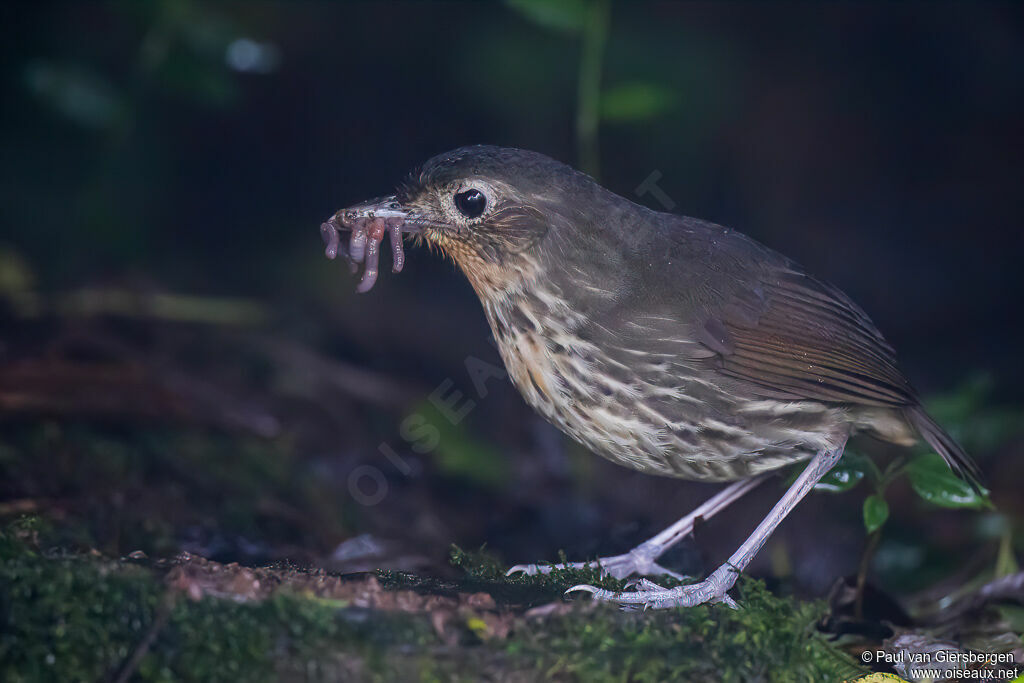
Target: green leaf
{"x": 557, "y": 15}
{"x": 876, "y": 511}
{"x": 636, "y": 101}
{"x": 933, "y": 481}
{"x": 845, "y": 475}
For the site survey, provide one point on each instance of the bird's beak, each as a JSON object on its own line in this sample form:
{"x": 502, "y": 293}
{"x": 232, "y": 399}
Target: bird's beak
{"x": 388, "y": 209}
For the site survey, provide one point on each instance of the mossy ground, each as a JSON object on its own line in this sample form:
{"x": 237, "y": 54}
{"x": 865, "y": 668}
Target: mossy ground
{"x": 84, "y": 617}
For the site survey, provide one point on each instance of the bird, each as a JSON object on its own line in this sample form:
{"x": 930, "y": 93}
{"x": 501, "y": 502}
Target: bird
{"x": 663, "y": 343}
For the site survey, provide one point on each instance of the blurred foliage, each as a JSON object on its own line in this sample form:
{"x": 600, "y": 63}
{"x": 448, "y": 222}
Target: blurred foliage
{"x": 81, "y": 95}
{"x": 559, "y": 15}
{"x": 974, "y": 419}
{"x": 15, "y": 274}
{"x": 157, "y": 490}
{"x": 631, "y": 102}
{"x": 636, "y": 102}
{"x": 462, "y": 455}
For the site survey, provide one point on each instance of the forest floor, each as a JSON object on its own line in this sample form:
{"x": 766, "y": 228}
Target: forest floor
{"x": 86, "y": 617}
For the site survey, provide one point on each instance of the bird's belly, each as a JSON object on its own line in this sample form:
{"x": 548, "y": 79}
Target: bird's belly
{"x": 644, "y": 425}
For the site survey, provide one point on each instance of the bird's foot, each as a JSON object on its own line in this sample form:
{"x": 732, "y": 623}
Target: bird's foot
{"x": 647, "y": 594}
{"x": 639, "y": 561}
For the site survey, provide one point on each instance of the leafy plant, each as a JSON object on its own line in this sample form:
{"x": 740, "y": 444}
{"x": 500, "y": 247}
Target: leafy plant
{"x": 976, "y": 425}
{"x": 630, "y": 102}
{"x": 929, "y": 476}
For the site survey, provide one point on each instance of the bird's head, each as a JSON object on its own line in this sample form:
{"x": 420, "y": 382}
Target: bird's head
{"x": 492, "y": 210}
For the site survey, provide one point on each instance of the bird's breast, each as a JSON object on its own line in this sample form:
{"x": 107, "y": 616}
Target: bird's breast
{"x": 644, "y": 413}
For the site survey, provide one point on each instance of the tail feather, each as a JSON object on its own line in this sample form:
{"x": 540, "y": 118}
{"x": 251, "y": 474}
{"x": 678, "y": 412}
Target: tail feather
{"x": 959, "y": 462}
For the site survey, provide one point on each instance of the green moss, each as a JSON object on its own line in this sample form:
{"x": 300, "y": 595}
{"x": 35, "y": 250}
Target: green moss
{"x": 770, "y": 639}
{"x": 81, "y": 617}
{"x": 68, "y": 619}
{"x": 484, "y": 568}
{"x": 484, "y": 573}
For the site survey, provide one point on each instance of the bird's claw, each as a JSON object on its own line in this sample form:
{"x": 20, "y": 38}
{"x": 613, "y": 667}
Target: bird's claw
{"x": 535, "y": 569}
{"x": 642, "y": 584}
{"x": 638, "y": 561}
{"x": 647, "y": 594}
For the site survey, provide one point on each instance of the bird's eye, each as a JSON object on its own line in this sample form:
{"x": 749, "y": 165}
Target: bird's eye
{"x": 471, "y": 203}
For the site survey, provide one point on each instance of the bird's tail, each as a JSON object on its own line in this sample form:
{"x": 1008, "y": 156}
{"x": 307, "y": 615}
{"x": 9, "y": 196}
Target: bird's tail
{"x": 955, "y": 456}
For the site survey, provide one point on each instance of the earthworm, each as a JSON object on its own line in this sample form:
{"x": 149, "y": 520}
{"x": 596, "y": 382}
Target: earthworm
{"x": 364, "y": 244}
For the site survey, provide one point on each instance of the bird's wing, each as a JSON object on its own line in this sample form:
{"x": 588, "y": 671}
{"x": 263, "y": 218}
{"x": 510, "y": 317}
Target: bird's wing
{"x": 799, "y": 337}
{"x": 809, "y": 341}
{"x": 757, "y": 318}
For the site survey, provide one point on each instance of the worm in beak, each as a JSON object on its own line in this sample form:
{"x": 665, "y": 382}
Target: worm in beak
{"x": 368, "y": 223}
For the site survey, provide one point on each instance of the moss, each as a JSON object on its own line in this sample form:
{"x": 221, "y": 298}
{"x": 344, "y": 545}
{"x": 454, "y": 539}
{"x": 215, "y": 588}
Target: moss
{"x": 485, "y": 574}
{"x": 480, "y": 566}
{"x": 770, "y": 638}
{"x": 81, "y": 618}
{"x": 68, "y": 619}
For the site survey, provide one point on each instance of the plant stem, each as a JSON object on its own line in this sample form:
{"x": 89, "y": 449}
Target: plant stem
{"x": 862, "y": 573}
{"x": 588, "y": 96}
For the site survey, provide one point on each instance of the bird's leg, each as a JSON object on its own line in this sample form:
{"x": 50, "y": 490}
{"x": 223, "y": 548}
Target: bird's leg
{"x": 641, "y": 559}
{"x": 715, "y": 588}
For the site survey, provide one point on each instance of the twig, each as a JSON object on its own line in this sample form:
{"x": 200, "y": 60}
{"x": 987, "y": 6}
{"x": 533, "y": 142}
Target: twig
{"x": 163, "y": 614}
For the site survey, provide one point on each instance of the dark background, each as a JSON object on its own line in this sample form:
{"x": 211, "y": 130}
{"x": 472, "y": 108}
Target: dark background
{"x": 192, "y": 149}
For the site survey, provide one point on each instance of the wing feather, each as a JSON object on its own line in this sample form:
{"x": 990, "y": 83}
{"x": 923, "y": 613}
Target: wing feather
{"x": 809, "y": 340}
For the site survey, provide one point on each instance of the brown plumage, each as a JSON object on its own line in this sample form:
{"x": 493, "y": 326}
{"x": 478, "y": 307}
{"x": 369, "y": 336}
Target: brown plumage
{"x": 664, "y": 343}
